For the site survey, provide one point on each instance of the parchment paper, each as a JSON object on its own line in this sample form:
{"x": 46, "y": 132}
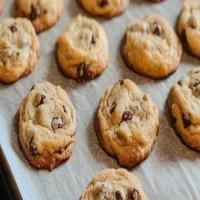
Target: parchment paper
{"x": 170, "y": 172}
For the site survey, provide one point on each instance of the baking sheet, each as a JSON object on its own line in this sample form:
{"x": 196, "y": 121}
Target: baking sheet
{"x": 170, "y": 172}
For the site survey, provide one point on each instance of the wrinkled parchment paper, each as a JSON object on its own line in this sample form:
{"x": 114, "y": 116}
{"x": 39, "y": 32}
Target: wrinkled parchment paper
{"x": 170, "y": 172}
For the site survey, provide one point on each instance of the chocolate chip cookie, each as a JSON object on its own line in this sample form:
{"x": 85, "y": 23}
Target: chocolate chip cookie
{"x": 188, "y": 27}
{"x": 152, "y": 47}
{"x": 184, "y": 105}
{"x": 104, "y": 8}
{"x": 1, "y": 5}
{"x": 47, "y": 126}
{"x": 43, "y": 14}
{"x": 83, "y": 49}
{"x": 128, "y": 123}
{"x": 19, "y": 49}
{"x": 113, "y": 184}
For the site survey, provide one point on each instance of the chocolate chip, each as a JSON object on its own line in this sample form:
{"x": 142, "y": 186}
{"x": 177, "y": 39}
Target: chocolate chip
{"x": 127, "y": 116}
{"x": 13, "y": 28}
{"x": 61, "y": 149}
{"x": 41, "y": 100}
{"x": 196, "y": 83}
{"x": 157, "y": 29}
{"x": 93, "y": 41}
{"x": 183, "y": 36}
{"x": 64, "y": 109}
{"x": 186, "y": 122}
{"x": 35, "y": 12}
{"x": 103, "y": 3}
{"x": 84, "y": 71}
{"x": 179, "y": 82}
{"x": 135, "y": 195}
{"x": 121, "y": 82}
{"x": 57, "y": 123}
{"x": 33, "y": 87}
{"x": 113, "y": 106}
{"x": 32, "y": 147}
{"x": 118, "y": 195}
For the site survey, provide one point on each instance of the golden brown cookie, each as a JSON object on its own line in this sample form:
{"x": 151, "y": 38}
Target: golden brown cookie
{"x": 104, "y": 8}
{"x": 188, "y": 27}
{"x": 184, "y": 105}
{"x": 19, "y": 49}
{"x": 83, "y": 49}
{"x": 47, "y": 126}
{"x": 152, "y": 47}
{"x": 43, "y": 14}
{"x": 114, "y": 184}
{"x": 128, "y": 123}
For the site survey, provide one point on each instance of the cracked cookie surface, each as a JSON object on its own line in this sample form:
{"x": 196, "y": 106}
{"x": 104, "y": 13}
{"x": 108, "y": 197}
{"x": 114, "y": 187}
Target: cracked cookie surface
{"x": 19, "y": 49}
{"x": 83, "y": 49}
{"x": 47, "y": 126}
{"x": 116, "y": 184}
{"x": 188, "y": 27}
{"x": 152, "y": 47}
{"x": 43, "y": 14}
{"x": 104, "y": 8}
{"x": 184, "y": 105}
{"x": 128, "y": 123}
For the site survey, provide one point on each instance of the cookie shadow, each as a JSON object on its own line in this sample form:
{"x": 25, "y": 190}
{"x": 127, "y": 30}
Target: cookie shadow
{"x": 97, "y": 151}
{"x": 170, "y": 146}
{"x": 15, "y": 143}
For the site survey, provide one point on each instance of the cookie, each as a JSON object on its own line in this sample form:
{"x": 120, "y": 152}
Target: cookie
{"x": 152, "y": 47}
{"x": 1, "y": 5}
{"x": 19, "y": 49}
{"x": 184, "y": 105}
{"x": 42, "y": 14}
{"x": 128, "y": 123}
{"x": 188, "y": 27}
{"x": 116, "y": 184}
{"x": 156, "y": 1}
{"x": 104, "y": 8}
{"x": 47, "y": 126}
{"x": 83, "y": 49}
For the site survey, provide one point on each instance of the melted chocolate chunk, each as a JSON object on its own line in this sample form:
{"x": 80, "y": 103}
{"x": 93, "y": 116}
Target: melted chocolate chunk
{"x": 196, "y": 72}
{"x": 157, "y": 29}
{"x": 103, "y": 3}
{"x": 35, "y": 12}
{"x": 135, "y": 195}
{"x": 196, "y": 83}
{"x": 57, "y": 123}
{"x": 41, "y": 100}
{"x": 32, "y": 147}
{"x": 121, "y": 82}
{"x": 13, "y": 28}
{"x": 118, "y": 195}
{"x": 64, "y": 109}
{"x": 93, "y": 41}
{"x": 186, "y": 122}
{"x": 84, "y": 71}
{"x": 61, "y": 149}
{"x": 33, "y": 87}
{"x": 113, "y": 106}
{"x": 127, "y": 116}
{"x": 179, "y": 82}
